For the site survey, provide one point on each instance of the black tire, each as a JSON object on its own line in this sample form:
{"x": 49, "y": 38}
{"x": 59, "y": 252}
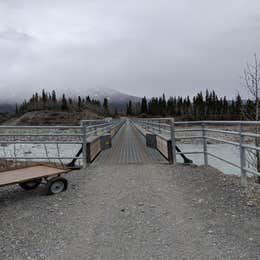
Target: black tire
{"x": 30, "y": 185}
{"x": 56, "y": 185}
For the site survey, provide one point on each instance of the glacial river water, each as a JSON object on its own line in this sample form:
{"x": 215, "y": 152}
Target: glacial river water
{"x": 225, "y": 151}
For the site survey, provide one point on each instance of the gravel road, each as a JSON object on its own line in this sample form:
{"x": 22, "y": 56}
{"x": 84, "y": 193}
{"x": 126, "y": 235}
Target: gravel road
{"x": 152, "y": 211}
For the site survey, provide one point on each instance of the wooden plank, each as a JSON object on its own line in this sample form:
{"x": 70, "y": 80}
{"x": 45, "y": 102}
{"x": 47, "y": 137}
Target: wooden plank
{"x": 115, "y": 130}
{"x": 93, "y": 149}
{"x": 28, "y": 173}
{"x": 92, "y": 138}
{"x": 164, "y": 146}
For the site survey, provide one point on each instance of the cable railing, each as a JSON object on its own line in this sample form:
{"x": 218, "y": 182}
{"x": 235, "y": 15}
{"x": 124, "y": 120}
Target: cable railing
{"x": 47, "y": 142}
{"x": 242, "y": 134}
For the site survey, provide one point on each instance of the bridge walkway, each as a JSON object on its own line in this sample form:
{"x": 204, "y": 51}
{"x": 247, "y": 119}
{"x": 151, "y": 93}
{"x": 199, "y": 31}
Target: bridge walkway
{"x": 128, "y": 147}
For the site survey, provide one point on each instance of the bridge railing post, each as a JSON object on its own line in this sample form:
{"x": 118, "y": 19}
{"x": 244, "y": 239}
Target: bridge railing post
{"x": 242, "y": 156}
{"x": 205, "y": 144}
{"x": 147, "y": 125}
{"x": 173, "y": 140}
{"x": 84, "y": 144}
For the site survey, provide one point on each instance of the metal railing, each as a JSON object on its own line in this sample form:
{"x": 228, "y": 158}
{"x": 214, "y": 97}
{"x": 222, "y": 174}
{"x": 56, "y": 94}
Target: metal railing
{"x": 12, "y": 136}
{"x": 244, "y": 137}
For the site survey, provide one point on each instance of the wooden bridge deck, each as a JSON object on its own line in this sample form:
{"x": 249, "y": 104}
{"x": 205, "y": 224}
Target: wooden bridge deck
{"x": 129, "y": 148}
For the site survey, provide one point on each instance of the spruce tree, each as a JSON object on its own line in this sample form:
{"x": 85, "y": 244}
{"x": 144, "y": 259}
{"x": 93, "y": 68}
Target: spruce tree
{"x": 238, "y": 107}
{"x": 129, "y": 110}
{"x": 144, "y": 106}
{"x": 79, "y": 103}
{"x": 105, "y": 106}
{"x": 64, "y": 105}
{"x": 53, "y": 96}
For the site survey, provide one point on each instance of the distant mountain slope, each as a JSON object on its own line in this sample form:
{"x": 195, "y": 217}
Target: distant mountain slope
{"x": 99, "y": 93}
{"x": 7, "y": 108}
{"x": 114, "y": 96}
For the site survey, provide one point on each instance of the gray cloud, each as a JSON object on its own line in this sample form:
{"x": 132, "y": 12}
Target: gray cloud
{"x": 138, "y": 47}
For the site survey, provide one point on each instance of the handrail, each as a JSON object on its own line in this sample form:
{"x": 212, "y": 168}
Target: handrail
{"x": 150, "y": 125}
{"x": 40, "y": 136}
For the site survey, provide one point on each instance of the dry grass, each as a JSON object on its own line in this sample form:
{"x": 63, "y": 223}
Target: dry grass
{"x": 48, "y": 117}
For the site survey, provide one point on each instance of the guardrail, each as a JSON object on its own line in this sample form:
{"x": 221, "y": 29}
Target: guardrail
{"x": 53, "y": 135}
{"x": 168, "y": 127}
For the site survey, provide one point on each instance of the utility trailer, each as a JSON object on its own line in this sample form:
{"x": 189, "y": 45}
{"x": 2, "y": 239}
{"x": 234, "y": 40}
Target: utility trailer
{"x": 30, "y": 177}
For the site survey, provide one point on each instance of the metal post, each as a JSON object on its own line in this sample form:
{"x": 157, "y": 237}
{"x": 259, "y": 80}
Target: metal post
{"x": 84, "y": 144}
{"x": 242, "y": 157}
{"x": 205, "y": 145}
{"x": 107, "y": 129}
{"x": 147, "y": 124}
{"x": 173, "y": 140}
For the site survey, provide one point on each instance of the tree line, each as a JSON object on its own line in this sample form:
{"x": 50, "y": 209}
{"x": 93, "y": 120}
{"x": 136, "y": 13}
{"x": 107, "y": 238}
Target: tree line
{"x": 49, "y": 101}
{"x": 201, "y": 107}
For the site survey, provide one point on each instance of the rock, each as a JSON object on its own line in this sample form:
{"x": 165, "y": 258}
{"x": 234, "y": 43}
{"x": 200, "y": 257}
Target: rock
{"x": 250, "y": 204}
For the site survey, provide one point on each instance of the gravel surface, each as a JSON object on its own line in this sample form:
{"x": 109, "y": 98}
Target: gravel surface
{"x": 132, "y": 212}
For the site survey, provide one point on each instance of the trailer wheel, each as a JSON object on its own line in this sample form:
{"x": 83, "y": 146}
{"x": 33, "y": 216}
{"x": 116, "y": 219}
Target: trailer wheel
{"x": 56, "y": 185}
{"x": 30, "y": 185}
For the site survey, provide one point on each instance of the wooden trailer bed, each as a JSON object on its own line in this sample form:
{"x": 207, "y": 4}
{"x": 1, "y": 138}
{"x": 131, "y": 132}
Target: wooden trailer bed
{"x": 29, "y": 173}
{"x": 30, "y": 177}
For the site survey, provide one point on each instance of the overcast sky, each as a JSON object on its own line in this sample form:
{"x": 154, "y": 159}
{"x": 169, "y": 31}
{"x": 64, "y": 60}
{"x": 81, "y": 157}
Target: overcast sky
{"x": 141, "y": 47}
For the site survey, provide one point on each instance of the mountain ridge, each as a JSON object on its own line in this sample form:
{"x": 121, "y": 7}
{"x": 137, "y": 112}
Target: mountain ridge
{"x": 113, "y": 95}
